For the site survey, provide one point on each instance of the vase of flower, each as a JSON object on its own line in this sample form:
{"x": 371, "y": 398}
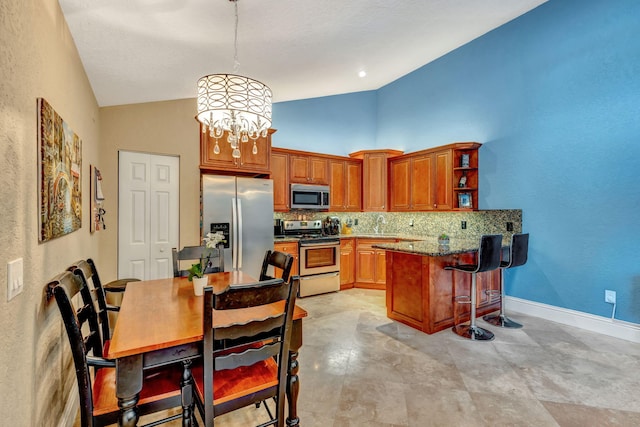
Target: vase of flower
{"x": 199, "y": 284}
{"x": 196, "y": 271}
{"x": 443, "y": 240}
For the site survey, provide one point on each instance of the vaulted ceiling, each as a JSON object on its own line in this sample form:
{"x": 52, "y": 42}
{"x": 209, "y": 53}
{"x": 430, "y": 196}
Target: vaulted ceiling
{"x": 153, "y": 50}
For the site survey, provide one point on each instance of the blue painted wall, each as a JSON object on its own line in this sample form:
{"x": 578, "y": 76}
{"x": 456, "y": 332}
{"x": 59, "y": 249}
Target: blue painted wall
{"x": 338, "y": 124}
{"x": 554, "y": 96}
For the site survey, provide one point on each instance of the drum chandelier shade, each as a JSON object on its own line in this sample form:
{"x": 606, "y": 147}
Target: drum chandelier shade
{"x": 238, "y": 105}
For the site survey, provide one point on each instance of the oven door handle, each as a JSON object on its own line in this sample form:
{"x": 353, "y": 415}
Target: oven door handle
{"x": 324, "y": 244}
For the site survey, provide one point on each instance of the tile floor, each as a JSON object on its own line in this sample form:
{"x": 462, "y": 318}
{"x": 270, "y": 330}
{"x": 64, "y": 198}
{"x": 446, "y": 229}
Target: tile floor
{"x": 359, "y": 368}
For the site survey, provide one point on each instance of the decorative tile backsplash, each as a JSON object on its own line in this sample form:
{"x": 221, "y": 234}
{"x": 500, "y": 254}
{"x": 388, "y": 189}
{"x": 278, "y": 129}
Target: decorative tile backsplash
{"x": 424, "y": 223}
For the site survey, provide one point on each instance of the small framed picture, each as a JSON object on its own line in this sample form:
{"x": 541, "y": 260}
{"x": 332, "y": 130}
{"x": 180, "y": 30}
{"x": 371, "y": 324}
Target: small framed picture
{"x": 464, "y": 161}
{"x": 465, "y": 200}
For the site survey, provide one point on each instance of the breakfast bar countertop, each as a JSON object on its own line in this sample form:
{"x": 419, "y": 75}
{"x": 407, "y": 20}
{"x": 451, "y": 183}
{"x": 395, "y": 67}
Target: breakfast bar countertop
{"x": 416, "y": 244}
{"x": 431, "y": 247}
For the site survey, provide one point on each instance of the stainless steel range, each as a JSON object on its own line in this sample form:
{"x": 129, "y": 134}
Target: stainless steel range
{"x": 319, "y": 257}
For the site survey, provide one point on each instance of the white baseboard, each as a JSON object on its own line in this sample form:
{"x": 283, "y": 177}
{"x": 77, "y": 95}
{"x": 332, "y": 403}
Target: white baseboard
{"x": 603, "y": 325}
{"x": 70, "y": 412}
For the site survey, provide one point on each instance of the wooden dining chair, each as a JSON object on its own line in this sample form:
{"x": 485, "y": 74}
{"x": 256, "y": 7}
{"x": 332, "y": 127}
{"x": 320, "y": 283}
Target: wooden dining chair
{"x": 98, "y": 402}
{"x": 255, "y": 368}
{"x": 196, "y": 253}
{"x": 117, "y": 286}
{"x": 281, "y": 261}
{"x": 87, "y": 272}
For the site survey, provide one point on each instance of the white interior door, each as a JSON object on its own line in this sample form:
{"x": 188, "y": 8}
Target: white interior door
{"x": 148, "y": 214}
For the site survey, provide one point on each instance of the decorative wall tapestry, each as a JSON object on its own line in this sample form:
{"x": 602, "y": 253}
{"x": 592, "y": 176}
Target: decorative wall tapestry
{"x": 59, "y": 166}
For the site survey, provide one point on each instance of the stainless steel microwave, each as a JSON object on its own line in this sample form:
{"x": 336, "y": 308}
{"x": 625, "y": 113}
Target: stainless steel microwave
{"x": 305, "y": 196}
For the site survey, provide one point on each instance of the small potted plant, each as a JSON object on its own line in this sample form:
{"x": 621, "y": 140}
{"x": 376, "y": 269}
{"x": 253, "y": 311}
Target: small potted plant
{"x": 443, "y": 239}
{"x": 196, "y": 271}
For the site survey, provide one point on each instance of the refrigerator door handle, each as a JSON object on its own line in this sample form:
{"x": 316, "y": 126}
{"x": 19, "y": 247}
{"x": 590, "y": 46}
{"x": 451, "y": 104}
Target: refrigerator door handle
{"x": 239, "y": 234}
{"x": 234, "y": 240}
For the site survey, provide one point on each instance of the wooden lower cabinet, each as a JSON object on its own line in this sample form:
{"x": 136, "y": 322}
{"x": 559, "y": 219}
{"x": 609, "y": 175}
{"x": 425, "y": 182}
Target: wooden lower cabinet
{"x": 347, "y": 263}
{"x": 371, "y": 269}
{"x": 420, "y": 292}
{"x": 288, "y": 248}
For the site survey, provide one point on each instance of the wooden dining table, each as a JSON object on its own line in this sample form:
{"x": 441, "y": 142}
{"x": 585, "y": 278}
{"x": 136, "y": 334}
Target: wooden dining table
{"x": 160, "y": 322}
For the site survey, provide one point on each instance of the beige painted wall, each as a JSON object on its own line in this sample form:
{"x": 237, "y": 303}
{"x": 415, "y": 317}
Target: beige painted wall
{"x": 166, "y": 128}
{"x": 39, "y": 59}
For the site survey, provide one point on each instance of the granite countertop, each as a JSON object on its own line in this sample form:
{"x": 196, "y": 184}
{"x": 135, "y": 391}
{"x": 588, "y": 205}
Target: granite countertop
{"x": 291, "y": 239}
{"x": 381, "y": 236}
{"x": 418, "y": 245}
{"x": 431, "y": 247}
{"x": 286, "y": 239}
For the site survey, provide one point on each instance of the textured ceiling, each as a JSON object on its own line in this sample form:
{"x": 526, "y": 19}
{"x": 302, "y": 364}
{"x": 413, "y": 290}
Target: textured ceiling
{"x": 154, "y": 50}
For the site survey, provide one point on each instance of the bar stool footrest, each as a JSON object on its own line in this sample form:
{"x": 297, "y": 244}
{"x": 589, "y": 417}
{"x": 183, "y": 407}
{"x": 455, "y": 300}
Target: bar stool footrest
{"x": 462, "y": 299}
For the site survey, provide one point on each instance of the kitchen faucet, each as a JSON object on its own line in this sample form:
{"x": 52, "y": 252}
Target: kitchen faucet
{"x": 377, "y": 229}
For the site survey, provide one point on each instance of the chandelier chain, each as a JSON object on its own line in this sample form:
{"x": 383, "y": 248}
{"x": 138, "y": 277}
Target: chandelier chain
{"x": 237, "y": 106}
{"x": 236, "y": 63}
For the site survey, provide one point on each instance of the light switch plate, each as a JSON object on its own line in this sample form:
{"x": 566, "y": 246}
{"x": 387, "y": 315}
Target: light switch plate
{"x": 14, "y": 278}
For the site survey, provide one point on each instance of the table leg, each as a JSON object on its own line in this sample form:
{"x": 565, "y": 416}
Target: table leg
{"x": 293, "y": 382}
{"x": 293, "y": 388}
{"x": 186, "y": 390}
{"x": 128, "y": 386}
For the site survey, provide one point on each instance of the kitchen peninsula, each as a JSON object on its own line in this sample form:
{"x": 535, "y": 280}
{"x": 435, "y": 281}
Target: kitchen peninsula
{"x": 422, "y": 294}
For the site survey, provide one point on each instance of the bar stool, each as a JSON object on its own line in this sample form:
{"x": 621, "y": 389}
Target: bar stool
{"x": 517, "y": 256}
{"x": 488, "y": 259}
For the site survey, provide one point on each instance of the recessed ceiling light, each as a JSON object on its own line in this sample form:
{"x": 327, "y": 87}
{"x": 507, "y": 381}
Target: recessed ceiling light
{"x": 362, "y": 74}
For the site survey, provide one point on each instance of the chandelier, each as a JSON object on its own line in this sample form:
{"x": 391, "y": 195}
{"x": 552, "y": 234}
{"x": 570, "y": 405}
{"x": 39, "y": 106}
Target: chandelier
{"x": 237, "y": 105}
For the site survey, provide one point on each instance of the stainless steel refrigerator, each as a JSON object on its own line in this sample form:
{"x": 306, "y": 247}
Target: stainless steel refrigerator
{"x": 242, "y": 208}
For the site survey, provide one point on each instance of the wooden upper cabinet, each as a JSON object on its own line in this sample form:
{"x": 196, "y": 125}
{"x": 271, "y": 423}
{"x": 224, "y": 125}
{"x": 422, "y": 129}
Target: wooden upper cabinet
{"x": 374, "y": 178}
{"x": 411, "y": 185}
{"x": 354, "y": 186}
{"x": 346, "y": 185}
{"x": 280, "y": 176}
{"x": 375, "y": 182}
{"x": 308, "y": 169}
{"x": 443, "y": 180}
{"x": 343, "y": 175}
{"x": 400, "y": 184}
{"x": 247, "y": 163}
{"x": 430, "y": 179}
{"x": 465, "y": 175}
{"x": 422, "y": 184}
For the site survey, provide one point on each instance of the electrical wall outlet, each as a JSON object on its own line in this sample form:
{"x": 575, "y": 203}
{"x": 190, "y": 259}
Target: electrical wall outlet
{"x": 610, "y": 296}
{"x": 14, "y": 278}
